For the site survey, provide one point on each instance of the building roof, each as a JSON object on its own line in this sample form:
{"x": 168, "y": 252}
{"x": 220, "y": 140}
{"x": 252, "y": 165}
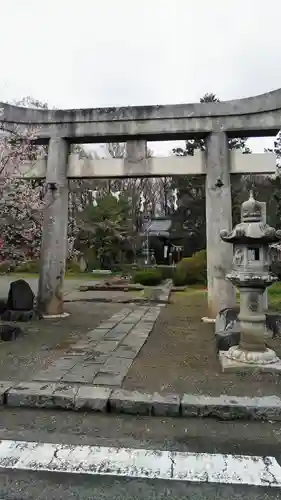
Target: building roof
{"x": 158, "y": 227}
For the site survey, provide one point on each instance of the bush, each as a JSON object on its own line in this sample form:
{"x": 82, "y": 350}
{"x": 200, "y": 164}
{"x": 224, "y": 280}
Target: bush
{"x": 72, "y": 266}
{"x": 6, "y": 267}
{"x": 29, "y": 266}
{"x": 275, "y": 268}
{"x": 166, "y": 271}
{"x": 148, "y": 277}
{"x": 191, "y": 270}
{"x": 91, "y": 259}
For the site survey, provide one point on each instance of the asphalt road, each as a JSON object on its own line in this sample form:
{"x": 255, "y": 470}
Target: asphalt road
{"x": 194, "y": 435}
{"x": 23, "y": 486}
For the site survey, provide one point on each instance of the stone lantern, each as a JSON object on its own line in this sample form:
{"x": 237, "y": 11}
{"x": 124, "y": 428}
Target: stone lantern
{"x": 250, "y": 274}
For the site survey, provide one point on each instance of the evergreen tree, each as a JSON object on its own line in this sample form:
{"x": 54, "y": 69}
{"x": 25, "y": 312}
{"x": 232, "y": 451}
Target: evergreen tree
{"x": 190, "y": 213}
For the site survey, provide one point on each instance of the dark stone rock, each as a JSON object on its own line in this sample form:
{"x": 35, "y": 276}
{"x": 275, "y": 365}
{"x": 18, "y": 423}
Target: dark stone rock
{"x": 273, "y": 323}
{"x": 3, "y": 305}
{"x": 225, "y": 340}
{"x": 20, "y": 297}
{"x": 10, "y": 315}
{"x": 227, "y": 328}
{"x": 8, "y": 332}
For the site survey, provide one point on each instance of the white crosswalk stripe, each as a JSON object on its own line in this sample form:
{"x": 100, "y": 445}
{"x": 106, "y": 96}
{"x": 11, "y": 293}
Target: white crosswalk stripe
{"x": 140, "y": 463}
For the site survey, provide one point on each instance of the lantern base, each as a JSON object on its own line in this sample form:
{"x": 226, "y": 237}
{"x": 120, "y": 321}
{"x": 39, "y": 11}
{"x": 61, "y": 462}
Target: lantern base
{"x": 236, "y": 353}
{"x": 234, "y": 365}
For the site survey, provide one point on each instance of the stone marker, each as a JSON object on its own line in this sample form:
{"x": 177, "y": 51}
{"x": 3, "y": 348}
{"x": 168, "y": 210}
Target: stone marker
{"x": 20, "y": 303}
{"x": 20, "y": 297}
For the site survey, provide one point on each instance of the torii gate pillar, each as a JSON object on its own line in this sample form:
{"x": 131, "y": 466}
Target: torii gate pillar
{"x": 54, "y": 234}
{"x": 221, "y": 292}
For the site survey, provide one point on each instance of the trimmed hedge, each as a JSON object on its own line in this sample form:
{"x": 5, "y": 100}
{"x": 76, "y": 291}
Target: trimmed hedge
{"x": 191, "y": 270}
{"x": 148, "y": 277}
{"x": 29, "y": 266}
{"x": 166, "y": 271}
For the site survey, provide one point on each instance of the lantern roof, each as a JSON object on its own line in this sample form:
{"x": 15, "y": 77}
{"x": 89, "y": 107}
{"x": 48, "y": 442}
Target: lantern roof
{"x": 251, "y": 228}
{"x": 251, "y": 210}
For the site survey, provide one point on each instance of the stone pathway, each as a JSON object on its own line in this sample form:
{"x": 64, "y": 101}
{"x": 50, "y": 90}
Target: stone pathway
{"x": 107, "y": 352}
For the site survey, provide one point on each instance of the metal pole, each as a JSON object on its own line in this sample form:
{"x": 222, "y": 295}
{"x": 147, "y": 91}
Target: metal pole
{"x": 147, "y": 245}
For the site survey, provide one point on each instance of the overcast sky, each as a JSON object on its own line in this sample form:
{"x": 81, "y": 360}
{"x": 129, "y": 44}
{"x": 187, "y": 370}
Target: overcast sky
{"x": 92, "y": 53}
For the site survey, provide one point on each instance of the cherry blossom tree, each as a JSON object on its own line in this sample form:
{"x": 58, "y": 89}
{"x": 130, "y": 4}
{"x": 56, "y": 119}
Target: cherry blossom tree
{"x": 21, "y": 201}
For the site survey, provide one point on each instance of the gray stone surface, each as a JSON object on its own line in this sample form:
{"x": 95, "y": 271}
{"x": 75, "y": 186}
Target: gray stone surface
{"x": 109, "y": 379}
{"x": 31, "y": 394}
{"x": 92, "y": 398}
{"x": 106, "y": 325}
{"x": 105, "y": 355}
{"x": 124, "y": 351}
{"x": 97, "y": 334}
{"x": 131, "y": 402}
{"x": 106, "y": 346}
{"x": 54, "y": 235}
{"x": 82, "y": 373}
{"x": 254, "y": 115}
{"x": 121, "y": 328}
{"x": 64, "y": 396}
{"x": 231, "y": 407}
{"x": 233, "y": 366}
{"x": 4, "y": 387}
{"x": 103, "y": 399}
{"x": 218, "y": 216}
{"x": 59, "y": 368}
{"x": 166, "y": 405}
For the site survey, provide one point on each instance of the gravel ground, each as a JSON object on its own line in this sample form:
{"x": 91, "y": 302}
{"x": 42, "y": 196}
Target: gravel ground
{"x": 46, "y": 340}
{"x": 180, "y": 356}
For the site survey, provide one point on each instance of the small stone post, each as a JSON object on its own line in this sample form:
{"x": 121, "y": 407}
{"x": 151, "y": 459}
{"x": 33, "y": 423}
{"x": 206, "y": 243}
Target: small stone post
{"x": 221, "y": 293}
{"x": 54, "y": 238}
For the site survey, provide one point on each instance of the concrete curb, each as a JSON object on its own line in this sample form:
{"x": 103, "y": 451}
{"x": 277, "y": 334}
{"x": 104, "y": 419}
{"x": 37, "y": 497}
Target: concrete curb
{"x": 52, "y": 395}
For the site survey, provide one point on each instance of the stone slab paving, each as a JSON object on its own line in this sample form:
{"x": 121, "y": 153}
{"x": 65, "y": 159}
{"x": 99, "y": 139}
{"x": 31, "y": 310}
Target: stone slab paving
{"x": 106, "y": 354}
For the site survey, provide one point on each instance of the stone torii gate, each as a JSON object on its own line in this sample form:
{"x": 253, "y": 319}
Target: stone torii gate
{"x": 250, "y": 117}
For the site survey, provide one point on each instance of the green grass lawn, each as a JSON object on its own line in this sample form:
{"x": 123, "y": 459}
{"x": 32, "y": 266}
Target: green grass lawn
{"x": 69, "y": 275}
{"x": 274, "y": 295}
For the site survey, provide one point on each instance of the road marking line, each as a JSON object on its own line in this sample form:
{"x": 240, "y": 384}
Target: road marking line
{"x": 140, "y": 463}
